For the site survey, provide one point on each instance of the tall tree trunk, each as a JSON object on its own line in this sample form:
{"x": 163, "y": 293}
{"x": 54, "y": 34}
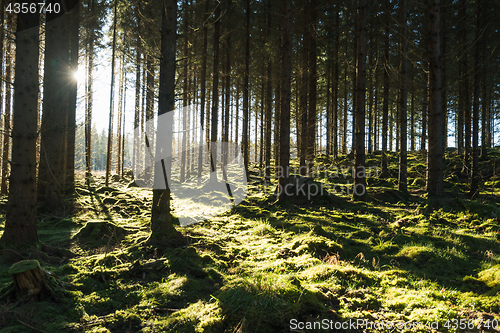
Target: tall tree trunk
{"x": 203, "y": 82}
{"x": 403, "y": 173}
{"x": 359, "y": 151}
{"x": 312, "y": 113}
{"x": 185, "y": 94}
{"x": 20, "y": 221}
{"x": 425, "y": 106}
{"x": 120, "y": 116}
{"x": 111, "y": 97}
{"x": 89, "y": 97}
{"x": 303, "y": 101}
{"x": 385, "y": 105}
{"x": 370, "y": 94}
{"x": 137, "y": 110}
{"x": 462, "y": 74}
{"x": 225, "y": 127}
{"x": 51, "y": 181}
{"x": 71, "y": 125}
{"x": 336, "y": 88}
{"x": 444, "y": 84}
{"x": 162, "y": 229}
{"x": 269, "y": 100}
{"x": 435, "y": 152}
{"x": 474, "y": 184}
{"x": 286, "y": 76}
{"x": 8, "y": 107}
{"x": 215, "y": 97}
{"x": 244, "y": 140}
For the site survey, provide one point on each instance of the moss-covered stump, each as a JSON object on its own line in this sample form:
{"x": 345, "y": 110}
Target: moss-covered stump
{"x": 100, "y": 233}
{"x": 30, "y": 279}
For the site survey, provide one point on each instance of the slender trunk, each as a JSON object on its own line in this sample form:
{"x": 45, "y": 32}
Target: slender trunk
{"x": 120, "y": 117}
{"x": 137, "y": 130}
{"x": 225, "y": 127}
{"x": 215, "y": 97}
{"x": 303, "y": 102}
{"x": 286, "y": 73}
{"x": 246, "y": 74}
{"x": 385, "y": 105}
{"x": 71, "y": 126}
{"x": 435, "y": 152}
{"x": 111, "y": 97}
{"x": 89, "y": 98}
{"x": 359, "y": 151}
{"x": 335, "y": 133}
{"x": 312, "y": 112}
{"x": 403, "y": 173}
{"x": 7, "y": 114}
{"x": 269, "y": 101}
{"x": 203, "y": 80}
{"x": 474, "y": 184}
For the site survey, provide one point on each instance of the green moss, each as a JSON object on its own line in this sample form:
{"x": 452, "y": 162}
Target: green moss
{"x": 23, "y": 266}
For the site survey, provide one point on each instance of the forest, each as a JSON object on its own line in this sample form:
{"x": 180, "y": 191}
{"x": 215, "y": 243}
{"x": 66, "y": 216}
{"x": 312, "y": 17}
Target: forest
{"x": 249, "y": 166}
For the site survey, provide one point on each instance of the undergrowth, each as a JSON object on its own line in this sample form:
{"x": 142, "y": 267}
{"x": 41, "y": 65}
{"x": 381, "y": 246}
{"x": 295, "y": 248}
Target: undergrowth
{"x": 396, "y": 257}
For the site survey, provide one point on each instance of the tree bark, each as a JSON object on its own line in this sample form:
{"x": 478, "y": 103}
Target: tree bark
{"x": 244, "y": 140}
{"x": 435, "y": 152}
{"x": 312, "y": 112}
{"x": 162, "y": 228}
{"x": 286, "y": 73}
{"x": 51, "y": 180}
{"x": 111, "y": 97}
{"x": 359, "y": 151}
{"x": 20, "y": 222}
{"x": 215, "y": 96}
{"x": 385, "y": 105}
{"x": 7, "y": 115}
{"x": 403, "y": 172}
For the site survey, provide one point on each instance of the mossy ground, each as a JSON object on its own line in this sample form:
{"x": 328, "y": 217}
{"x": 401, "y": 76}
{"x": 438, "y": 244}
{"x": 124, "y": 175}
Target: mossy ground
{"x": 394, "y": 257}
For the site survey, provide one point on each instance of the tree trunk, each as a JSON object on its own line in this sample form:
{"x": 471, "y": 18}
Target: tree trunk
{"x": 120, "y": 116}
{"x": 111, "y": 97}
{"x": 403, "y": 173}
{"x": 162, "y": 229}
{"x": 269, "y": 101}
{"x": 312, "y": 113}
{"x": 51, "y": 181}
{"x": 435, "y": 152}
{"x": 20, "y": 221}
{"x": 286, "y": 76}
{"x": 203, "y": 82}
{"x": 71, "y": 125}
{"x": 8, "y": 107}
{"x": 385, "y": 105}
{"x": 359, "y": 151}
{"x": 336, "y": 133}
{"x": 135, "y": 158}
{"x": 215, "y": 97}
{"x": 303, "y": 102}
{"x": 89, "y": 97}
{"x": 474, "y": 184}
{"x": 244, "y": 140}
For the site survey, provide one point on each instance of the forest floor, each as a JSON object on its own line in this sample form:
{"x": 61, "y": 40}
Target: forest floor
{"x": 265, "y": 267}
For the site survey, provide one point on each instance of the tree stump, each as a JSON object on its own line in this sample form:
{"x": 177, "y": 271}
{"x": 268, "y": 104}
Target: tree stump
{"x": 29, "y": 278}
